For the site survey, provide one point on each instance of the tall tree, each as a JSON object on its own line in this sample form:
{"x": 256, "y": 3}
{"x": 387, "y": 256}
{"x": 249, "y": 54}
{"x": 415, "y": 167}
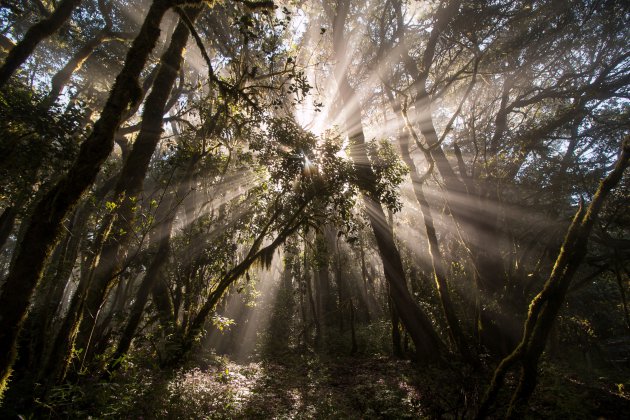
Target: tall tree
{"x": 48, "y": 214}
{"x": 428, "y": 344}
{"x": 119, "y": 225}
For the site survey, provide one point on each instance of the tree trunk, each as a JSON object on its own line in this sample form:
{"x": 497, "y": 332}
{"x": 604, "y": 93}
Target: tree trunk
{"x": 622, "y": 293}
{"x": 33, "y": 336}
{"x": 397, "y": 348}
{"x": 314, "y": 311}
{"x": 264, "y": 255}
{"x": 437, "y": 261}
{"x": 300, "y": 278}
{"x": 35, "y": 34}
{"x": 417, "y": 323}
{"x": 544, "y": 308}
{"x": 61, "y": 78}
{"x": 325, "y": 304}
{"x": 130, "y": 184}
{"x": 164, "y": 304}
{"x": 48, "y": 301}
{"x": 58, "y": 359}
{"x": 353, "y": 336}
{"x": 43, "y": 229}
{"x": 428, "y": 344}
{"x": 37, "y": 329}
{"x": 342, "y": 292}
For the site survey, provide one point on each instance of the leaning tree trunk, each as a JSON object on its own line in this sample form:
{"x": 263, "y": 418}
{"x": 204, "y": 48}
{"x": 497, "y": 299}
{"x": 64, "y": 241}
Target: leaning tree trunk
{"x": 255, "y": 254}
{"x": 544, "y": 308}
{"x": 43, "y": 229}
{"x": 428, "y": 344}
{"x": 416, "y": 322}
{"x": 48, "y": 298}
{"x": 118, "y": 227}
{"x": 437, "y": 261}
{"x": 438, "y": 265}
{"x": 35, "y": 34}
{"x": 61, "y": 78}
{"x": 132, "y": 178}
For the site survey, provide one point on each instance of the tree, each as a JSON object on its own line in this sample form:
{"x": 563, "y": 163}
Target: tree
{"x": 427, "y": 342}
{"x": 44, "y": 227}
{"x": 119, "y": 226}
{"x": 544, "y": 308}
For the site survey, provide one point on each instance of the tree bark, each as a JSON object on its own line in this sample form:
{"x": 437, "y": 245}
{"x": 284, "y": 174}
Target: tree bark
{"x": 61, "y": 78}
{"x": 326, "y": 304}
{"x": 397, "y": 348}
{"x": 7, "y": 221}
{"x": 48, "y": 300}
{"x": 314, "y": 310}
{"x": 43, "y": 229}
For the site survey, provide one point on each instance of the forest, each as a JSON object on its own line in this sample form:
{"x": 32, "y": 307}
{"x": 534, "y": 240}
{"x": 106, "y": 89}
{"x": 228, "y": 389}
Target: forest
{"x": 318, "y": 209}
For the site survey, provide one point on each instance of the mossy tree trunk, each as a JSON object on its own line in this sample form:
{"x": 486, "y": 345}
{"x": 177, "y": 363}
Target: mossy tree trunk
{"x": 544, "y": 308}
{"x": 62, "y": 77}
{"x": 118, "y": 227}
{"x": 255, "y": 254}
{"x": 42, "y": 232}
{"x": 130, "y": 183}
{"x": 48, "y": 298}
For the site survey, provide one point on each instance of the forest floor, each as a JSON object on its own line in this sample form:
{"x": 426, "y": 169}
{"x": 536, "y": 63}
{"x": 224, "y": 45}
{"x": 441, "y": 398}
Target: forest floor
{"x": 311, "y": 386}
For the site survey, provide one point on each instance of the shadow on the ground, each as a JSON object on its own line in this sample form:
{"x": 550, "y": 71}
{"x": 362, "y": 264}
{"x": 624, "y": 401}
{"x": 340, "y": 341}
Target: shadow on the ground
{"x": 309, "y": 386}
{"x": 312, "y": 386}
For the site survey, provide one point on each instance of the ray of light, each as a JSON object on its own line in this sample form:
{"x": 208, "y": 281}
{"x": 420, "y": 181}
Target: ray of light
{"x": 260, "y": 315}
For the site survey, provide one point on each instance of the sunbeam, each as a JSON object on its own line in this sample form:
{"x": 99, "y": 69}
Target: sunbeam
{"x": 323, "y": 209}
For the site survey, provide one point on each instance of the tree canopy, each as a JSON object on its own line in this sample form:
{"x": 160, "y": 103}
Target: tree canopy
{"x": 196, "y": 183}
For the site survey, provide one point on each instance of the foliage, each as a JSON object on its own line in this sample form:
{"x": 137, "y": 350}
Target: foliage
{"x": 37, "y": 142}
{"x": 390, "y": 172}
{"x": 250, "y": 234}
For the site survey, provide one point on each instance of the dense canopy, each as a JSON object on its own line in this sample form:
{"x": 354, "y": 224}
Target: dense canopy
{"x": 314, "y": 209}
